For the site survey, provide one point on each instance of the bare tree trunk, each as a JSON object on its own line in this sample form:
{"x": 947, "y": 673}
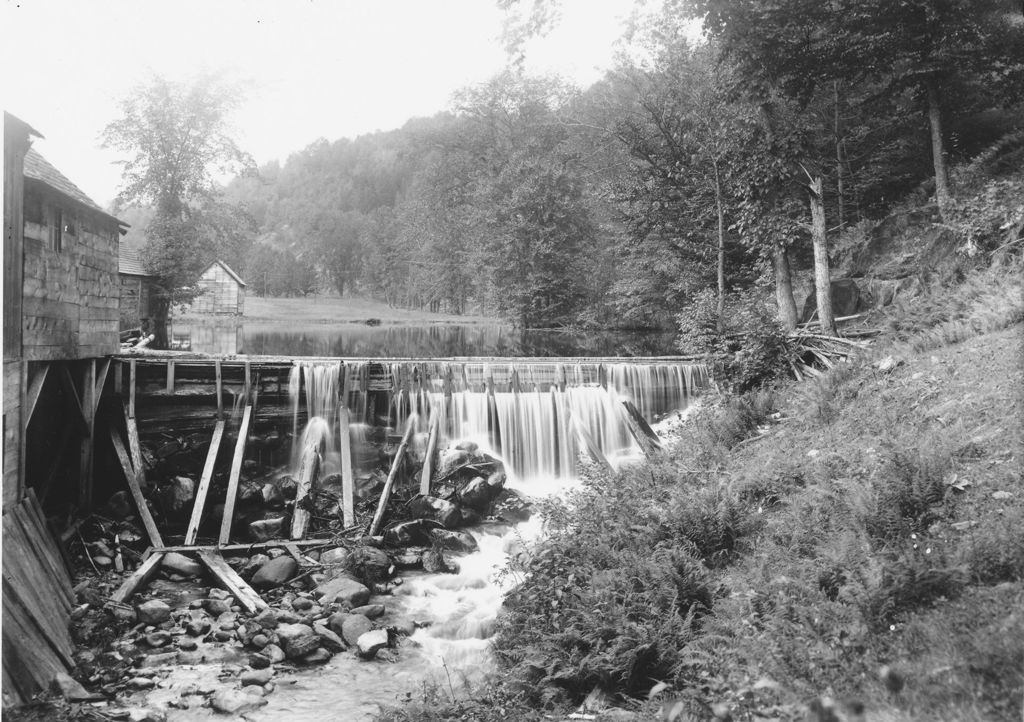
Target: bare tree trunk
{"x": 942, "y": 192}
{"x": 784, "y": 287}
{"x": 838, "y": 129}
{"x": 161, "y": 313}
{"x": 822, "y": 277}
{"x": 721, "y": 250}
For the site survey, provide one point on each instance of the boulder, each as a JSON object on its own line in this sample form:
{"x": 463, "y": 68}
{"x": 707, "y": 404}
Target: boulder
{"x": 846, "y": 299}
{"x": 370, "y": 563}
{"x": 266, "y": 529}
{"x": 181, "y": 564}
{"x": 153, "y": 612}
{"x": 266, "y": 619}
{"x": 370, "y": 611}
{"x": 216, "y": 607}
{"x": 451, "y": 459}
{"x": 297, "y": 640}
{"x": 272, "y": 496}
{"x": 252, "y": 565}
{"x": 274, "y": 653}
{"x": 328, "y": 639}
{"x": 430, "y": 507}
{"x": 354, "y": 627}
{"x": 158, "y": 638}
{"x": 343, "y": 590}
{"x": 234, "y": 702}
{"x": 288, "y": 487}
{"x": 456, "y": 541}
{"x": 512, "y": 507}
{"x": 335, "y": 557}
{"x": 337, "y": 622}
{"x": 317, "y": 656}
{"x": 256, "y": 676}
{"x": 178, "y": 496}
{"x": 372, "y": 642}
{"x": 477, "y": 494}
{"x": 119, "y": 507}
{"x": 408, "y": 559}
{"x": 197, "y": 627}
{"x": 410, "y": 533}
{"x": 275, "y": 573}
{"x": 434, "y": 562}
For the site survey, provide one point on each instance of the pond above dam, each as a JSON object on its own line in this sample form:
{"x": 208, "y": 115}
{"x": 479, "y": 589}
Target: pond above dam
{"x": 423, "y": 341}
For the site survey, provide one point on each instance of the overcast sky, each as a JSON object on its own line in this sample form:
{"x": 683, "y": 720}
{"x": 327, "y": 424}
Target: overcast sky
{"x": 320, "y": 68}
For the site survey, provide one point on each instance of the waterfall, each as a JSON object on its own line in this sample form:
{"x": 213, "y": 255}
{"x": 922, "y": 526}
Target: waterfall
{"x": 323, "y": 402}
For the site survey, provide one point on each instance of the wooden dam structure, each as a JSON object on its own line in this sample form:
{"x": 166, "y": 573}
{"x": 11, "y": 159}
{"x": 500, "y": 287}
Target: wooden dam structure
{"x": 82, "y": 419}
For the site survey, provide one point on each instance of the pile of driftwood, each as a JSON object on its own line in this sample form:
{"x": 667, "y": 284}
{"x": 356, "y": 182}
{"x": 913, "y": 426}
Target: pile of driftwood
{"x": 815, "y": 352}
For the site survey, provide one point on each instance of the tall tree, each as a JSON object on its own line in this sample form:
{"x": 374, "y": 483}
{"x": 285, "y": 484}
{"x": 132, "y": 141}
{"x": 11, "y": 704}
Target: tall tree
{"x": 179, "y": 142}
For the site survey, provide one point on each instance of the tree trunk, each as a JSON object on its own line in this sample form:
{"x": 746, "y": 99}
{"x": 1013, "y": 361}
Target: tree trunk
{"x": 942, "y": 192}
{"x": 721, "y": 251}
{"x": 161, "y": 313}
{"x": 822, "y": 278}
{"x": 838, "y": 129}
{"x": 784, "y": 287}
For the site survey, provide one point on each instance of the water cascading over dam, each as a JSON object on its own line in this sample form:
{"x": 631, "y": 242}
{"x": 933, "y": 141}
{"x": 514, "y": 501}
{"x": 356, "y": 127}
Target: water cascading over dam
{"x": 536, "y": 416}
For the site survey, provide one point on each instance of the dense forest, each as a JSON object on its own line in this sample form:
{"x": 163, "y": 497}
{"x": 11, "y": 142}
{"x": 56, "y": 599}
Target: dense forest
{"x": 698, "y": 168}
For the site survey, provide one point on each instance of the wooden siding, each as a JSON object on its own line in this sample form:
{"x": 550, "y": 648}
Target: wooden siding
{"x": 70, "y": 296}
{"x": 135, "y": 294}
{"x": 221, "y": 294}
{"x": 12, "y": 432}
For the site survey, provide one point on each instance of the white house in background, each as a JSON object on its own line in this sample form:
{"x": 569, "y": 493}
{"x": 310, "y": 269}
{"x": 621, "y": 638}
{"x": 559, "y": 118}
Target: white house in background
{"x": 223, "y": 292}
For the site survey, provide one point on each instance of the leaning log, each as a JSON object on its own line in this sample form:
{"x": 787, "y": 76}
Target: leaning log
{"x": 385, "y": 495}
{"x": 309, "y": 471}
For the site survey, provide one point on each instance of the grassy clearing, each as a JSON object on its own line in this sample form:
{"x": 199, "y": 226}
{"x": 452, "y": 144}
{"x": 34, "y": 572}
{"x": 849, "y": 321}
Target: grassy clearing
{"x": 856, "y": 537}
{"x": 334, "y": 309}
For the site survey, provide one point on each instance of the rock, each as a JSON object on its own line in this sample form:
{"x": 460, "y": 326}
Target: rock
{"x": 328, "y": 639}
{"x": 119, "y": 507}
{"x": 456, "y": 541}
{"x": 69, "y": 688}
{"x": 266, "y": 619}
{"x": 497, "y": 482}
{"x": 343, "y": 590}
{"x": 272, "y": 496}
{"x": 370, "y": 563}
{"x": 370, "y": 611}
{"x": 164, "y": 659}
{"x": 335, "y": 557}
{"x": 102, "y": 561}
{"x": 181, "y": 564}
{"x": 511, "y": 507}
{"x": 336, "y": 622}
{"x": 252, "y": 565}
{"x": 141, "y": 683}
{"x": 434, "y": 509}
{"x": 158, "y": 639}
{"x": 410, "y": 533}
{"x": 274, "y": 653}
{"x": 288, "y": 486}
{"x": 297, "y": 640}
{"x": 317, "y": 656}
{"x": 216, "y": 607}
{"x": 188, "y": 644}
{"x": 153, "y": 612}
{"x": 477, "y": 494}
{"x": 451, "y": 459}
{"x": 301, "y": 604}
{"x": 253, "y": 689}
{"x": 144, "y": 714}
{"x": 435, "y": 563}
{"x": 469, "y": 517}
{"x": 259, "y": 661}
{"x": 123, "y": 614}
{"x": 233, "y": 701}
{"x": 178, "y": 496}
{"x": 469, "y": 446}
{"x": 259, "y": 641}
{"x": 266, "y": 529}
{"x": 198, "y": 627}
{"x": 221, "y": 636}
{"x": 287, "y": 616}
{"x": 256, "y": 676}
{"x": 372, "y": 642}
{"x": 355, "y": 626}
{"x": 408, "y": 559}
{"x": 275, "y": 573}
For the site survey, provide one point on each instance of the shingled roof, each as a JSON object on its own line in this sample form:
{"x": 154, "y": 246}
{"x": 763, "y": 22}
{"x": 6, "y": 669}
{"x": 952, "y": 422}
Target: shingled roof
{"x": 129, "y": 260}
{"x": 40, "y": 169}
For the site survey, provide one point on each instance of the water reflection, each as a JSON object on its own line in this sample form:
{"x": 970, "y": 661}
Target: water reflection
{"x": 424, "y": 341}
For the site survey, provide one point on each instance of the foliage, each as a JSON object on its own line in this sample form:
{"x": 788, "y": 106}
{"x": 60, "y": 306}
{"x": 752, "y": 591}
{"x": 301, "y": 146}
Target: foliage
{"x": 747, "y": 350}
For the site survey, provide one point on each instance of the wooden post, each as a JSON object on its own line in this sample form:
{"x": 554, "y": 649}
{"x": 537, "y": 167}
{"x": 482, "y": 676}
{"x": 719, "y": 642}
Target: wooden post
{"x": 131, "y": 389}
{"x": 133, "y": 486}
{"x": 236, "y": 472}
{"x": 170, "y": 376}
{"x": 428, "y": 459}
{"x": 645, "y": 436}
{"x": 35, "y": 390}
{"x": 248, "y": 382}
{"x": 139, "y": 577}
{"x": 589, "y": 444}
{"x": 309, "y": 470}
{"x": 85, "y": 457}
{"x": 386, "y": 492}
{"x": 204, "y": 484}
{"x": 219, "y": 385}
{"x": 347, "y": 473}
{"x": 101, "y": 381}
{"x": 245, "y": 595}
{"x": 119, "y": 378}
{"x": 135, "y": 448}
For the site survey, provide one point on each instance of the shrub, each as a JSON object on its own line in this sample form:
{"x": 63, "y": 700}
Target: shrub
{"x": 909, "y": 487}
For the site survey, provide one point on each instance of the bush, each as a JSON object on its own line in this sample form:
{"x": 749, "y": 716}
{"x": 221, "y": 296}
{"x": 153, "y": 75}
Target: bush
{"x": 747, "y": 350}
{"x": 909, "y": 488}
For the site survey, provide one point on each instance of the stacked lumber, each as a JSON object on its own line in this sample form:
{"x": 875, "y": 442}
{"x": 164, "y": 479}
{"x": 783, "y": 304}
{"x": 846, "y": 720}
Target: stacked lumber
{"x": 37, "y": 602}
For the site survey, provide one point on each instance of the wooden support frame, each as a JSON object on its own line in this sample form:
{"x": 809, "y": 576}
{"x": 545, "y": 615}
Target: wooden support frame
{"x": 220, "y": 389}
{"x": 88, "y": 406}
{"x": 131, "y": 389}
{"x": 76, "y": 402}
{"x": 101, "y": 382}
{"x": 309, "y": 470}
{"x": 385, "y": 494}
{"x": 245, "y": 595}
{"x": 137, "y": 578}
{"x": 204, "y": 484}
{"x": 236, "y": 472}
{"x": 133, "y": 486}
{"x": 347, "y": 473}
{"x": 645, "y": 436}
{"x": 35, "y": 390}
{"x": 170, "y": 376}
{"x": 428, "y": 459}
{"x": 135, "y": 448}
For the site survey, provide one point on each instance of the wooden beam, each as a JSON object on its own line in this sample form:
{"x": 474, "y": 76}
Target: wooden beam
{"x": 645, "y": 436}
{"x": 101, "y": 381}
{"x": 347, "y": 473}
{"x": 170, "y": 376}
{"x": 137, "y": 578}
{"x": 309, "y": 470}
{"x": 248, "y": 383}
{"x": 589, "y": 444}
{"x": 133, "y": 485}
{"x": 248, "y": 548}
{"x": 245, "y": 595}
{"x": 385, "y": 494}
{"x": 135, "y": 448}
{"x": 85, "y": 454}
{"x": 131, "y": 389}
{"x": 204, "y": 484}
{"x": 428, "y": 459}
{"x": 220, "y": 390}
{"x": 118, "y": 377}
{"x": 236, "y": 472}
{"x": 69, "y": 386}
{"x": 35, "y": 389}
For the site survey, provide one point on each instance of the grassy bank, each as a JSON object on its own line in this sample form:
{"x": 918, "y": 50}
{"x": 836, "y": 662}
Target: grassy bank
{"x": 849, "y": 544}
{"x": 334, "y": 309}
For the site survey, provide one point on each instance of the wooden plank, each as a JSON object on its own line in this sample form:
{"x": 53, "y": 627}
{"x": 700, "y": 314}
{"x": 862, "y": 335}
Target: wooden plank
{"x": 119, "y": 377}
{"x": 51, "y": 579}
{"x": 589, "y": 444}
{"x": 85, "y": 453}
{"x": 347, "y": 473}
{"x": 25, "y": 648}
{"x": 101, "y": 381}
{"x": 220, "y": 391}
{"x": 236, "y": 472}
{"x": 135, "y": 449}
{"x": 245, "y": 595}
{"x": 35, "y": 389}
{"x": 76, "y": 403}
{"x": 133, "y": 485}
{"x": 309, "y": 470}
{"x": 645, "y": 436}
{"x": 395, "y": 465}
{"x": 138, "y": 578}
{"x": 50, "y": 542}
{"x": 170, "y": 376}
{"x": 204, "y": 484}
{"x": 248, "y": 383}
{"x": 295, "y": 554}
{"x": 131, "y": 389}
{"x": 273, "y": 544}
{"x": 428, "y": 459}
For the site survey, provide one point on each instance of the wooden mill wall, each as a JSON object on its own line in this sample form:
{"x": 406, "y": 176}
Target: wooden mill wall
{"x": 221, "y": 294}
{"x": 135, "y": 294}
{"x": 70, "y": 300}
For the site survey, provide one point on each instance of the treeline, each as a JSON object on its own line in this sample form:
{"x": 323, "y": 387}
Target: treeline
{"x": 690, "y": 171}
